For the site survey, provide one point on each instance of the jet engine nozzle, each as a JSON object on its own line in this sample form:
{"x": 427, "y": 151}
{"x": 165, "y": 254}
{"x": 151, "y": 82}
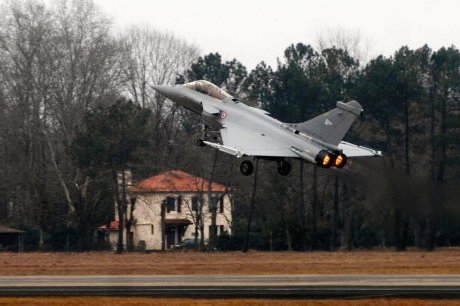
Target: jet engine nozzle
{"x": 340, "y": 160}
{"x": 324, "y": 159}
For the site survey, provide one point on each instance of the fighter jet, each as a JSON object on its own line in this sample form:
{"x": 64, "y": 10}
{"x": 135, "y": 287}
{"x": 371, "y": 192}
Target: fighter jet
{"x": 248, "y": 132}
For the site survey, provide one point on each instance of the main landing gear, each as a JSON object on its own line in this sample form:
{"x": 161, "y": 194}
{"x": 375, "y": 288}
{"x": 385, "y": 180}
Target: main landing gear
{"x": 246, "y": 167}
{"x": 284, "y": 167}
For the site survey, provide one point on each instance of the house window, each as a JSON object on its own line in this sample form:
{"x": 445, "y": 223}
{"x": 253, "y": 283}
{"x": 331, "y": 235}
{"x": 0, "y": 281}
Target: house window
{"x": 173, "y": 204}
{"x": 221, "y": 230}
{"x": 170, "y": 204}
{"x": 195, "y": 201}
{"x": 151, "y": 229}
{"x": 213, "y": 204}
{"x": 221, "y": 204}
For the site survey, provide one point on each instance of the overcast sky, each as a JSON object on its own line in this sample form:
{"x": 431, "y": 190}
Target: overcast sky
{"x": 252, "y": 31}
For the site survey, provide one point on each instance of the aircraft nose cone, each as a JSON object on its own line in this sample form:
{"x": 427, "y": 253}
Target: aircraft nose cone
{"x": 166, "y": 90}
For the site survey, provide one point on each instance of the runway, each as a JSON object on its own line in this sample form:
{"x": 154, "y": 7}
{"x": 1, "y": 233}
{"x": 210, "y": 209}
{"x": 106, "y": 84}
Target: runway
{"x": 225, "y": 286}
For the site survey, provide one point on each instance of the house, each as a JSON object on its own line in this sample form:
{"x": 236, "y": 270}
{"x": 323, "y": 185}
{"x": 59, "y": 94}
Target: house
{"x": 11, "y": 239}
{"x": 172, "y": 206}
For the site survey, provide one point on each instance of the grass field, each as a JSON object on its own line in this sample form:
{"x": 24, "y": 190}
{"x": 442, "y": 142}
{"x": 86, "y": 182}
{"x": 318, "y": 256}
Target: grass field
{"x": 442, "y": 261}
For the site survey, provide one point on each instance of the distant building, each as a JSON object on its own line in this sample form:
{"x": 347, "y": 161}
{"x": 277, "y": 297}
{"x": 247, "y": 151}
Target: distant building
{"x": 180, "y": 196}
{"x": 11, "y": 239}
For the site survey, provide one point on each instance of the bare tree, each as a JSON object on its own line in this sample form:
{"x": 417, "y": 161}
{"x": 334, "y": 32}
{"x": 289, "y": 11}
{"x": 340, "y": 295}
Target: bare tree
{"x": 212, "y": 202}
{"x": 55, "y": 63}
{"x": 150, "y": 57}
{"x": 354, "y": 42}
{"x": 23, "y": 29}
{"x": 247, "y": 234}
{"x": 78, "y": 64}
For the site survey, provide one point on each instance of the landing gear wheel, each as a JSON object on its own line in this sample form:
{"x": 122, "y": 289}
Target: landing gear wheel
{"x": 246, "y": 167}
{"x": 284, "y": 167}
{"x": 200, "y": 143}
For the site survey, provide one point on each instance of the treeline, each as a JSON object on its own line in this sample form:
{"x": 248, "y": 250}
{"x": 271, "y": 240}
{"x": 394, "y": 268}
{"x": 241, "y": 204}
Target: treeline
{"x": 78, "y": 107}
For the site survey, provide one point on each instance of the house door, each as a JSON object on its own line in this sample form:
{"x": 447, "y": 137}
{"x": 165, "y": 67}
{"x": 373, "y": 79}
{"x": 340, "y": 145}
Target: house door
{"x": 171, "y": 236}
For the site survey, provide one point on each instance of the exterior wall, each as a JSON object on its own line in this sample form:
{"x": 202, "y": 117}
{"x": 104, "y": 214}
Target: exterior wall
{"x": 147, "y": 213}
{"x": 113, "y": 238}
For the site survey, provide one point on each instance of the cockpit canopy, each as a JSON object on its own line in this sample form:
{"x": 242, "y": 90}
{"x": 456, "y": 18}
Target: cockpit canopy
{"x": 209, "y": 89}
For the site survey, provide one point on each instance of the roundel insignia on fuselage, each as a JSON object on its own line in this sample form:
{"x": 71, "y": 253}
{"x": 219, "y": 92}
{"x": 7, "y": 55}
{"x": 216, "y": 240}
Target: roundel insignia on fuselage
{"x": 223, "y": 115}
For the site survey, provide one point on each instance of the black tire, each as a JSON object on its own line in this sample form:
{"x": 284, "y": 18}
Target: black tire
{"x": 284, "y": 167}
{"x": 200, "y": 143}
{"x": 246, "y": 167}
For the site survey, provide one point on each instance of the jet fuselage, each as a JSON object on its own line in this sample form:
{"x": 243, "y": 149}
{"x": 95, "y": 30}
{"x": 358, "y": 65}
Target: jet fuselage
{"x": 249, "y": 131}
{"x": 256, "y": 122}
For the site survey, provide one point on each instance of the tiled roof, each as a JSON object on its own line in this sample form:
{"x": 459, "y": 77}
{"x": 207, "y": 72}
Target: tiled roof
{"x": 113, "y": 225}
{"x": 8, "y": 230}
{"x": 175, "y": 181}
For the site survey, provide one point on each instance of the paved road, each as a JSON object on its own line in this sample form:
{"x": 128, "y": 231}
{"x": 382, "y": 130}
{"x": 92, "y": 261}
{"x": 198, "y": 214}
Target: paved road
{"x": 235, "y": 285}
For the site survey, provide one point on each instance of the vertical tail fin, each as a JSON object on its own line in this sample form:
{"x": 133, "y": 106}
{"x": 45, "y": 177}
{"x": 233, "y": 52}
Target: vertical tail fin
{"x": 332, "y": 126}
